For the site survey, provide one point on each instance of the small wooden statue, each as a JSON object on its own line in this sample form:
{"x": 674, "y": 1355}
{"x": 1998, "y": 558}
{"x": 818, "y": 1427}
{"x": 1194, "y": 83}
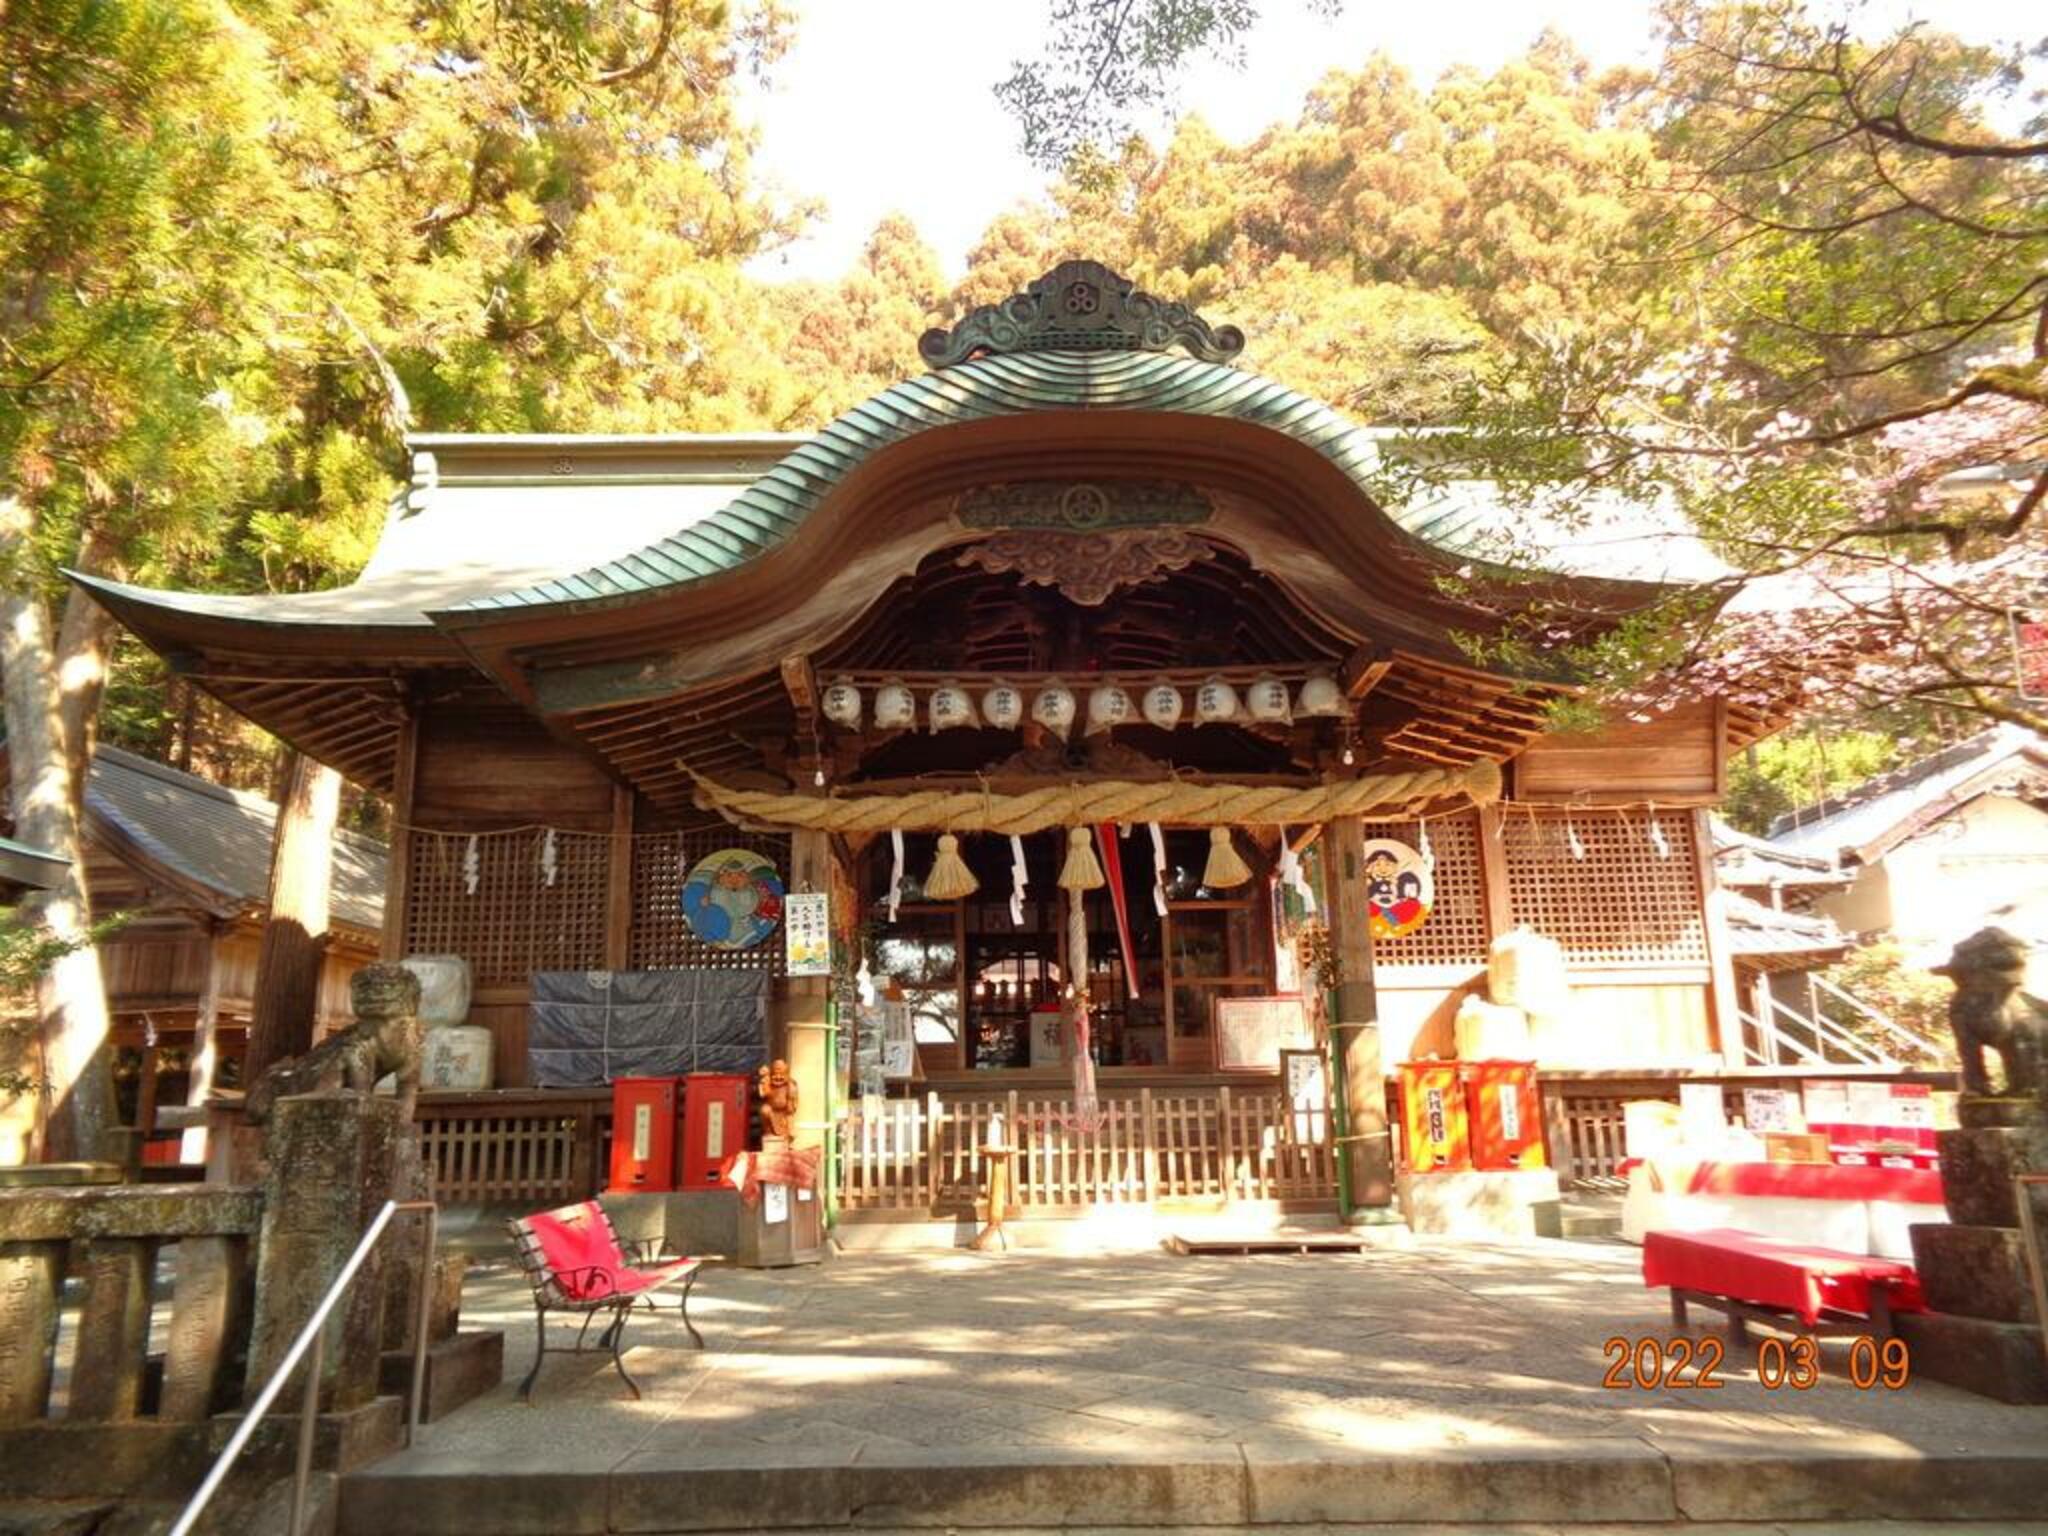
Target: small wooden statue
{"x": 778, "y": 1100}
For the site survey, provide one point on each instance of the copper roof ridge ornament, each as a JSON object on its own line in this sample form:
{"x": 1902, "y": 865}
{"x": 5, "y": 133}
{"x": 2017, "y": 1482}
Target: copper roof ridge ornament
{"x": 1080, "y": 306}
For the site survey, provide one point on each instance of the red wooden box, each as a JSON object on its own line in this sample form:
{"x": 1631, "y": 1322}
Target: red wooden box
{"x": 1505, "y": 1110}
{"x": 644, "y": 1132}
{"x": 716, "y": 1112}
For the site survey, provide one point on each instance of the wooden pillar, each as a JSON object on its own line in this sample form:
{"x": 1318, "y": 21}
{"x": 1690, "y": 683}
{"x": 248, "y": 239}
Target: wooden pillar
{"x": 1721, "y": 969}
{"x": 805, "y": 1033}
{"x": 1354, "y": 1028}
{"x": 1493, "y": 872}
{"x": 398, "y": 862}
{"x": 205, "y": 1048}
{"x": 618, "y": 905}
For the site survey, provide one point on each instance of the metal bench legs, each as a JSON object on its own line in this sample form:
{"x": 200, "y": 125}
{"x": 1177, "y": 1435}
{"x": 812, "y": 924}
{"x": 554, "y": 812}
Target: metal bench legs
{"x": 611, "y": 1340}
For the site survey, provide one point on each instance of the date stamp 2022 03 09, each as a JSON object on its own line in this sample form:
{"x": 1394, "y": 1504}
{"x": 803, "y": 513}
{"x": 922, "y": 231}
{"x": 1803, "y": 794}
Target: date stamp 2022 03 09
{"x": 1696, "y": 1364}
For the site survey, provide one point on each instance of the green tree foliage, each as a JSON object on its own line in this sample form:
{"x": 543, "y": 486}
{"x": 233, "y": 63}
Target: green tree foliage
{"x": 1803, "y": 768}
{"x": 855, "y": 338}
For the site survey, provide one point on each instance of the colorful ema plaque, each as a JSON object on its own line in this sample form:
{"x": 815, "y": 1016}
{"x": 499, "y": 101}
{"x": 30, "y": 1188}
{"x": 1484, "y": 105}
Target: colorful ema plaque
{"x": 1400, "y": 888}
{"x": 733, "y": 899}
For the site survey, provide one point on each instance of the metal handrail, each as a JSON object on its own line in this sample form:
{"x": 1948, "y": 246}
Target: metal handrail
{"x": 1826, "y": 1032}
{"x": 313, "y": 1336}
{"x": 1878, "y": 1016}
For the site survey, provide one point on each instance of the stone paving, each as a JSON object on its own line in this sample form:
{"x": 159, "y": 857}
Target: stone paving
{"x": 1484, "y": 1349}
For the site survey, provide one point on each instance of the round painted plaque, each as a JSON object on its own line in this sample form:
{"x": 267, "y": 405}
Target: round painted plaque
{"x": 733, "y": 898}
{"x": 1399, "y": 888}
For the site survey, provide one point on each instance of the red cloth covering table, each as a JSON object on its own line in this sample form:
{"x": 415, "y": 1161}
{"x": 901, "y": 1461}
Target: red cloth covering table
{"x": 795, "y": 1166}
{"x": 1789, "y": 1277}
{"x": 1815, "y": 1181}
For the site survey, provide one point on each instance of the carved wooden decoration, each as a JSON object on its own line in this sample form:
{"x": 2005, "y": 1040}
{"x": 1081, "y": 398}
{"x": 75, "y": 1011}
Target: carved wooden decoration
{"x": 1080, "y": 306}
{"x": 1084, "y": 505}
{"x": 1086, "y": 567}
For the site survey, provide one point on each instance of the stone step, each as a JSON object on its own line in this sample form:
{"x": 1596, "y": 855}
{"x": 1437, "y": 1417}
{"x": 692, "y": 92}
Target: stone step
{"x": 1689, "y": 1477}
{"x": 460, "y": 1368}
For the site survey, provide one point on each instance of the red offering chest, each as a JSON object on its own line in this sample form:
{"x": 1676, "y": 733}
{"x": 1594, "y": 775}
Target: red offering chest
{"x": 1433, "y": 1115}
{"x": 715, "y": 1106}
{"x": 1506, "y": 1114}
{"x": 644, "y": 1133}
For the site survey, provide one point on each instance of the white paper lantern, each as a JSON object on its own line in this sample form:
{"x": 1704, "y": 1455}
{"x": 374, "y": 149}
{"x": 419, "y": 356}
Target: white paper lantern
{"x": 1266, "y": 700}
{"x": 1002, "y": 706}
{"x": 951, "y": 707}
{"x": 1054, "y": 709}
{"x": 1321, "y": 698}
{"x": 1215, "y": 702}
{"x": 1108, "y": 706}
{"x": 1162, "y": 705}
{"x": 895, "y": 707}
{"x": 842, "y": 704}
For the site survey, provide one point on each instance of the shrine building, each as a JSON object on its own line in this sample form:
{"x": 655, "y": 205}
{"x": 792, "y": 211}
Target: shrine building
{"x": 1087, "y": 662}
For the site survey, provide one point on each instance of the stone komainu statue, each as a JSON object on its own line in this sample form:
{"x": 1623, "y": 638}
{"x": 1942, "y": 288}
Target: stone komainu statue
{"x": 385, "y": 1038}
{"x": 1989, "y": 1010}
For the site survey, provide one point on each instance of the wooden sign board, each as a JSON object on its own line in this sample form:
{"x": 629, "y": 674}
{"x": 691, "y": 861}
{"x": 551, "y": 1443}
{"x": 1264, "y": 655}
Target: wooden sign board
{"x": 1305, "y": 1079}
{"x": 1252, "y": 1031}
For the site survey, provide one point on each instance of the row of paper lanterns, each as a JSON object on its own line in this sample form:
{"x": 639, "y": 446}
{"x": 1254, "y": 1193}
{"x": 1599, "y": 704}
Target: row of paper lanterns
{"x": 1266, "y": 701}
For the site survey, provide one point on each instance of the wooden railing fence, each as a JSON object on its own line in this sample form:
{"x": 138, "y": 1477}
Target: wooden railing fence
{"x": 1212, "y": 1145}
{"x": 509, "y": 1148}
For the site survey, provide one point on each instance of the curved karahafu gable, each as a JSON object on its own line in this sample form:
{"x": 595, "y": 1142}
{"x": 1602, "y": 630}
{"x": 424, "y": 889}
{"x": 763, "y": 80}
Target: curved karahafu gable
{"x": 582, "y": 574}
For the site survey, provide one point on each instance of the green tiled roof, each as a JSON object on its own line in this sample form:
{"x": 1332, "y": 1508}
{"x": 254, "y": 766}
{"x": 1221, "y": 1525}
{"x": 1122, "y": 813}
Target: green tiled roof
{"x": 770, "y": 510}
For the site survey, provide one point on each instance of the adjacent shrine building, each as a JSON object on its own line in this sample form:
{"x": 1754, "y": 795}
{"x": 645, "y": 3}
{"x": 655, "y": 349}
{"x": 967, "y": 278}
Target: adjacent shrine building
{"x": 1084, "y": 579}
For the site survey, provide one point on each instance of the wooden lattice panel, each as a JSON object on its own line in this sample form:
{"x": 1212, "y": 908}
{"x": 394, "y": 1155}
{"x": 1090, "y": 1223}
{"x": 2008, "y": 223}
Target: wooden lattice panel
{"x": 1618, "y": 900}
{"x": 532, "y": 908}
{"x": 1456, "y": 932}
{"x": 661, "y": 940}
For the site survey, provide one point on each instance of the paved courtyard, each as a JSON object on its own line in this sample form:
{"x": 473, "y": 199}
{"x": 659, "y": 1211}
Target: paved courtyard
{"x": 1441, "y": 1383}
{"x": 1442, "y": 1346}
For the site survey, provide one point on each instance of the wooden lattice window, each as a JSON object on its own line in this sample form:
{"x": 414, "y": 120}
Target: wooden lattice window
{"x": 510, "y": 903}
{"x": 1617, "y": 898}
{"x": 1456, "y": 932}
{"x": 661, "y": 940}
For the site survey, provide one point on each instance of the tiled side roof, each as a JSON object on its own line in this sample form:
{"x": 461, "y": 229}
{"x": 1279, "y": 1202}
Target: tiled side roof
{"x": 1866, "y": 814}
{"x": 221, "y": 838}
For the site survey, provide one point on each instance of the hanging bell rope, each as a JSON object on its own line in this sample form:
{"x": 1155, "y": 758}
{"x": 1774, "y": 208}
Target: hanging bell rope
{"x": 950, "y": 878}
{"x": 1082, "y": 805}
{"x": 1224, "y": 868}
{"x": 1082, "y": 871}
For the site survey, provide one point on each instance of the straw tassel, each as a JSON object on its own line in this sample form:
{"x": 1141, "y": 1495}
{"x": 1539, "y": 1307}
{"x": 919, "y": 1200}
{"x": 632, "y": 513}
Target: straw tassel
{"x": 1224, "y": 868}
{"x": 950, "y": 878}
{"x": 1082, "y": 871}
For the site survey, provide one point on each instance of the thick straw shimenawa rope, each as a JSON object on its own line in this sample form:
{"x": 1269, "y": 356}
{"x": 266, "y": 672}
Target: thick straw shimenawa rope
{"x": 1079, "y": 805}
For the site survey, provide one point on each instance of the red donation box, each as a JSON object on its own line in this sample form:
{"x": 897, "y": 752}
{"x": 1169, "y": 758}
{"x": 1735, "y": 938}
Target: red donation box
{"x": 644, "y": 1132}
{"x": 715, "y": 1117}
{"x": 1506, "y": 1113}
{"x": 1433, "y": 1115}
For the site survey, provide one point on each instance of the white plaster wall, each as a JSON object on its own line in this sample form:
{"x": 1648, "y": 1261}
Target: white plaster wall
{"x": 1987, "y": 863}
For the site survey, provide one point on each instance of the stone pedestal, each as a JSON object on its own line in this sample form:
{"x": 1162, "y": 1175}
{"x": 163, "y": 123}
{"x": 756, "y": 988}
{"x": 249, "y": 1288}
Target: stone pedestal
{"x": 333, "y": 1161}
{"x": 1975, "y": 1271}
{"x": 1978, "y": 1166}
{"x": 1509, "y": 1203}
{"x": 1982, "y": 1335}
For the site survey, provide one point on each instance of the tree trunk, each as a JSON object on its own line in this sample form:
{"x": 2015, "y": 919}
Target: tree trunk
{"x": 295, "y": 934}
{"x": 71, "y": 996}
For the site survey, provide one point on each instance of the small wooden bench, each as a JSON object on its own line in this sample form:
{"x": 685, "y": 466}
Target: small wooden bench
{"x": 1792, "y": 1286}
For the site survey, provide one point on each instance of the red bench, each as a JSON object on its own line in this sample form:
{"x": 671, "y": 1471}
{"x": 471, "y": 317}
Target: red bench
{"x": 573, "y": 1261}
{"x": 1771, "y": 1281}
